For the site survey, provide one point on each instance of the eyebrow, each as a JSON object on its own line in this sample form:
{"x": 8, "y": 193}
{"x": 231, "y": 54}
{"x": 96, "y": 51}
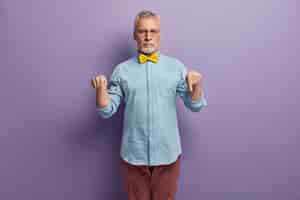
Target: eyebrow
{"x": 144, "y": 29}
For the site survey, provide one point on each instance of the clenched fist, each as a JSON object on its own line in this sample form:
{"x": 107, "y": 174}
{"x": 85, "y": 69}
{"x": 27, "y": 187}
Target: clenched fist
{"x": 99, "y": 82}
{"x": 193, "y": 79}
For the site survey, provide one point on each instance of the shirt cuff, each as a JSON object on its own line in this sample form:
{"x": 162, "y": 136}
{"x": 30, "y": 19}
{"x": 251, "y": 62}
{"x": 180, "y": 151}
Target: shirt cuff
{"x": 104, "y": 109}
{"x": 201, "y": 100}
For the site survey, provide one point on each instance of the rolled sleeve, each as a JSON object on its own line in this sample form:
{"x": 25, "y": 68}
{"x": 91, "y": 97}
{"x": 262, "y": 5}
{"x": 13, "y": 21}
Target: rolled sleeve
{"x": 106, "y": 111}
{"x": 116, "y": 95}
{"x": 197, "y": 105}
{"x": 182, "y": 91}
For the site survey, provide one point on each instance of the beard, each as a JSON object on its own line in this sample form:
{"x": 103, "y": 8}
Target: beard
{"x": 147, "y": 50}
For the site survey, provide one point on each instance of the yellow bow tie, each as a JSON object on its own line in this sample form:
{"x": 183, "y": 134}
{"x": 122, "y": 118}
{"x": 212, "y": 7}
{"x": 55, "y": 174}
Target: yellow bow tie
{"x": 144, "y": 58}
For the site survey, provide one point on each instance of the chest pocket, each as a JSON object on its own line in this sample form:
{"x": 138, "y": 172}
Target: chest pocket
{"x": 134, "y": 87}
{"x": 166, "y": 87}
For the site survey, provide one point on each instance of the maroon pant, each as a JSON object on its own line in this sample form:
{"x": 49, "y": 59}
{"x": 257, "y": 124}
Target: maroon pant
{"x": 150, "y": 182}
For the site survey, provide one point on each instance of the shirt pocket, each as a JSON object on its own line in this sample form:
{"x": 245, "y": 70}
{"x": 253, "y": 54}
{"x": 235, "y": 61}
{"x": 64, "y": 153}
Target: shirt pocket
{"x": 167, "y": 88}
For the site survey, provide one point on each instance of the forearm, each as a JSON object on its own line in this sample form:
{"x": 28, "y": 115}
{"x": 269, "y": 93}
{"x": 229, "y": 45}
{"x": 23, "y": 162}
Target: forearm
{"x": 102, "y": 97}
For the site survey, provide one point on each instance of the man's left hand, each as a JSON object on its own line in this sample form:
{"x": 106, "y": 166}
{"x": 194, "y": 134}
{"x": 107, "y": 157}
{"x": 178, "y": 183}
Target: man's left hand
{"x": 193, "y": 79}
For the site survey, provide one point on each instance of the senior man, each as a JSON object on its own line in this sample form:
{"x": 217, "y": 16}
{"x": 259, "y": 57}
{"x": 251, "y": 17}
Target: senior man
{"x": 148, "y": 84}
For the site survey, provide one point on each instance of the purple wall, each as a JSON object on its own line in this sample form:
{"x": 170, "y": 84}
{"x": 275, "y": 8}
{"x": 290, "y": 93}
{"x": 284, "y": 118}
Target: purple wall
{"x": 244, "y": 145}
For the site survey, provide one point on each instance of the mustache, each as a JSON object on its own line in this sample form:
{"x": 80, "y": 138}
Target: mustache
{"x": 148, "y": 44}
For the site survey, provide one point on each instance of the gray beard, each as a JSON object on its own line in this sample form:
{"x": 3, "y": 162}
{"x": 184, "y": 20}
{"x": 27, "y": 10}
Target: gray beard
{"x": 147, "y": 50}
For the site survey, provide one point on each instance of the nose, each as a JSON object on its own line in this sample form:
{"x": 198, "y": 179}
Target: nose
{"x": 147, "y": 36}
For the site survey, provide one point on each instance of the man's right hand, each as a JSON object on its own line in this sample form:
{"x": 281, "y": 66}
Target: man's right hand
{"x": 99, "y": 82}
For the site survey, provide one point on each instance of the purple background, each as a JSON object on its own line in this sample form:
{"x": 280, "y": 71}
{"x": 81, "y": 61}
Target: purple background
{"x": 243, "y": 146}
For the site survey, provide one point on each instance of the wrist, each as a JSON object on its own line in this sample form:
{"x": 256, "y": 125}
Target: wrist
{"x": 197, "y": 92}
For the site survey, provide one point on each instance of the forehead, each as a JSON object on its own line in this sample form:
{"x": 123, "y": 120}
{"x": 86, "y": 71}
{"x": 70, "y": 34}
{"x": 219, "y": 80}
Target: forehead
{"x": 148, "y": 23}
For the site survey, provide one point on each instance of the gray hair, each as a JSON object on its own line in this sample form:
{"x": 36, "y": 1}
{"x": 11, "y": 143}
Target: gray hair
{"x": 144, "y": 14}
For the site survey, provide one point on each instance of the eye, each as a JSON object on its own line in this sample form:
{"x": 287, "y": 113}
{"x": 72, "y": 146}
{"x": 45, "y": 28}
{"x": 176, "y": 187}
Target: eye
{"x": 155, "y": 31}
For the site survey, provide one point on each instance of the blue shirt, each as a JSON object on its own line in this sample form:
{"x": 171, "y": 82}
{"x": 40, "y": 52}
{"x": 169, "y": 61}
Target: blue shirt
{"x": 150, "y": 130}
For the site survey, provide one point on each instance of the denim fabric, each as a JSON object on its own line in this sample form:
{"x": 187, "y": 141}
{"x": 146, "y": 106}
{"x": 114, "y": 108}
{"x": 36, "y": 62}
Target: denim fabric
{"x": 150, "y": 130}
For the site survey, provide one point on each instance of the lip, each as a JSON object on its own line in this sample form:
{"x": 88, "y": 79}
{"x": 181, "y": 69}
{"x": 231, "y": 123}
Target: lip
{"x": 147, "y": 45}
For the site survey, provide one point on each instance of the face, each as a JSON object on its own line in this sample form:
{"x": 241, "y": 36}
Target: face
{"x": 147, "y": 35}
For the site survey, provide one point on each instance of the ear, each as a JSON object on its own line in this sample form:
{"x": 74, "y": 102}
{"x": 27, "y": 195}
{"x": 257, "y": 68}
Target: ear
{"x": 134, "y": 35}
